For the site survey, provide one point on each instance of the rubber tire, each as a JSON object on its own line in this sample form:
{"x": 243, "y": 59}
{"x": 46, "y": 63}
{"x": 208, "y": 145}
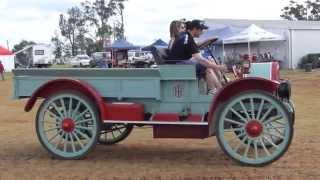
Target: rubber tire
{"x": 218, "y": 114}
{"x": 95, "y": 113}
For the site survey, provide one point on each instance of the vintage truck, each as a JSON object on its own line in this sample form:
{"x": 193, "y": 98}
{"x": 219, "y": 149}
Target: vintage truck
{"x": 251, "y": 117}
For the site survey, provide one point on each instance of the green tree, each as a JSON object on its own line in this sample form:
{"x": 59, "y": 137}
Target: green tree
{"x": 118, "y": 6}
{"x": 99, "y": 13}
{"x": 22, "y": 45}
{"x": 22, "y": 58}
{"x": 58, "y": 46}
{"x": 308, "y": 10}
{"x": 72, "y": 27}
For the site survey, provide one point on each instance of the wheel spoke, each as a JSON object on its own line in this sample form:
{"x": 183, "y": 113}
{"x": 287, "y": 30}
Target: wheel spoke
{"x": 81, "y": 114}
{"x": 275, "y": 135}
{"x": 233, "y": 129}
{"x": 271, "y": 119}
{"x": 70, "y": 107}
{"x": 252, "y": 108}
{"x": 247, "y": 148}
{"x": 236, "y": 113}
{"x": 83, "y": 121}
{"x": 57, "y": 109}
{"x": 113, "y": 135}
{"x": 76, "y": 110}
{"x": 51, "y": 129}
{"x": 84, "y": 128}
{"x": 260, "y": 108}
{"x": 54, "y": 115}
{"x": 275, "y": 127}
{"x": 234, "y": 122}
{"x": 54, "y": 136}
{"x": 264, "y": 147}
{"x": 255, "y": 149}
{"x": 281, "y": 123}
{"x": 78, "y": 139}
{"x": 240, "y": 143}
{"x": 115, "y": 128}
{"x": 60, "y": 140}
{"x": 119, "y": 127}
{"x": 82, "y": 134}
{"x": 106, "y": 136}
{"x": 72, "y": 143}
{"x": 65, "y": 142}
{"x": 244, "y": 109}
{"x": 50, "y": 122}
{"x": 237, "y": 137}
{"x": 270, "y": 141}
{"x": 120, "y": 132}
{"x": 267, "y": 113}
{"x": 278, "y": 131}
{"x": 64, "y": 107}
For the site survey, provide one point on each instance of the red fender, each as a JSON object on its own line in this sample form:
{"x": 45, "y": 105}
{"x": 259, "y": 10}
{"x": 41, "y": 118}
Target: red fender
{"x": 236, "y": 87}
{"x": 57, "y": 85}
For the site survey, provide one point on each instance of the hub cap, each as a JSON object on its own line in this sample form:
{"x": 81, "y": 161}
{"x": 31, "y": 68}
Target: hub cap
{"x": 254, "y": 128}
{"x": 68, "y": 125}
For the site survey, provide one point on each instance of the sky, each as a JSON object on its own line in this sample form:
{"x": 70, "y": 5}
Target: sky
{"x": 145, "y": 20}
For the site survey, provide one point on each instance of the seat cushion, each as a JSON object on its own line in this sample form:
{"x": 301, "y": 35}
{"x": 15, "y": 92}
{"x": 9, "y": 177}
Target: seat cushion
{"x": 160, "y": 54}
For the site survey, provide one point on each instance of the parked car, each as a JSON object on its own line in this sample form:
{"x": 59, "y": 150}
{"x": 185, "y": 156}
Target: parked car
{"x": 138, "y": 56}
{"x": 80, "y": 61}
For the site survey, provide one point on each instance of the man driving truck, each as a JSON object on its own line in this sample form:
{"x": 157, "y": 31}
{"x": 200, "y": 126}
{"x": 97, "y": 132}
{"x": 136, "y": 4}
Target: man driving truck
{"x": 185, "y": 51}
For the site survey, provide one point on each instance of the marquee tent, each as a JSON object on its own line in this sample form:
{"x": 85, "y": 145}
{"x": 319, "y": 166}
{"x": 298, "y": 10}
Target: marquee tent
{"x": 7, "y": 59}
{"x": 122, "y": 44}
{"x": 221, "y": 33}
{"x": 253, "y": 33}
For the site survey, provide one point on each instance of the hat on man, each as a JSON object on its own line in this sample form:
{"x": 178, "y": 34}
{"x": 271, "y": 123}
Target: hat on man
{"x": 198, "y": 24}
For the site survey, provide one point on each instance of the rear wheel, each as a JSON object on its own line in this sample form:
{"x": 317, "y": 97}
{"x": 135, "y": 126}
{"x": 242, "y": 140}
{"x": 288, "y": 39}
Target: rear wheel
{"x": 68, "y": 125}
{"x": 114, "y": 133}
{"x": 261, "y": 133}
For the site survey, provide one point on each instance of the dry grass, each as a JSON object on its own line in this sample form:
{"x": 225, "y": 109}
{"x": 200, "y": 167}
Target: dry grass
{"x": 141, "y": 157}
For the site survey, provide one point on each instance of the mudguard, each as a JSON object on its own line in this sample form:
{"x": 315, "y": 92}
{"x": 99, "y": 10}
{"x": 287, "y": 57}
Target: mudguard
{"x": 58, "y": 85}
{"x": 236, "y": 87}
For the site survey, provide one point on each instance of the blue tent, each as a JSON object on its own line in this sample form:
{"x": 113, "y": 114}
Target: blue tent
{"x": 221, "y": 33}
{"x": 122, "y": 44}
{"x": 157, "y": 43}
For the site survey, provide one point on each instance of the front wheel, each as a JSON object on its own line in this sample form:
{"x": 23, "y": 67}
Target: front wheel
{"x": 68, "y": 125}
{"x": 261, "y": 132}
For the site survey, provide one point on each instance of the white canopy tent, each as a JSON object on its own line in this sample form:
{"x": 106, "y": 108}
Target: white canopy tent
{"x": 253, "y": 33}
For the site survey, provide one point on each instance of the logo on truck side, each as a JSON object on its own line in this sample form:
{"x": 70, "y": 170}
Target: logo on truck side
{"x": 178, "y": 90}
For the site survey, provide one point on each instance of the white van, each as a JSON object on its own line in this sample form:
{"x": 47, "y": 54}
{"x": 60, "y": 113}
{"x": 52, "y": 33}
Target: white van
{"x": 38, "y": 55}
{"x": 43, "y": 55}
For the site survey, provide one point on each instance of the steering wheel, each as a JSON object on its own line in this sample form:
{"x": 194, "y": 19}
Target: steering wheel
{"x": 207, "y": 43}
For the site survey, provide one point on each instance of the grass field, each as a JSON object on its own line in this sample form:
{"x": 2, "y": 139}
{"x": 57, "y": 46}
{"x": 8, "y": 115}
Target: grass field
{"x": 142, "y": 157}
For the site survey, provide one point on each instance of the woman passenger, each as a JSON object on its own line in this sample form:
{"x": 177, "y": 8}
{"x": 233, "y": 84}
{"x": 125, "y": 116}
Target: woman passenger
{"x": 176, "y": 27}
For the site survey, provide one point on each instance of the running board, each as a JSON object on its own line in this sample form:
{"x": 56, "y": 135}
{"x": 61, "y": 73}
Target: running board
{"x": 158, "y": 122}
